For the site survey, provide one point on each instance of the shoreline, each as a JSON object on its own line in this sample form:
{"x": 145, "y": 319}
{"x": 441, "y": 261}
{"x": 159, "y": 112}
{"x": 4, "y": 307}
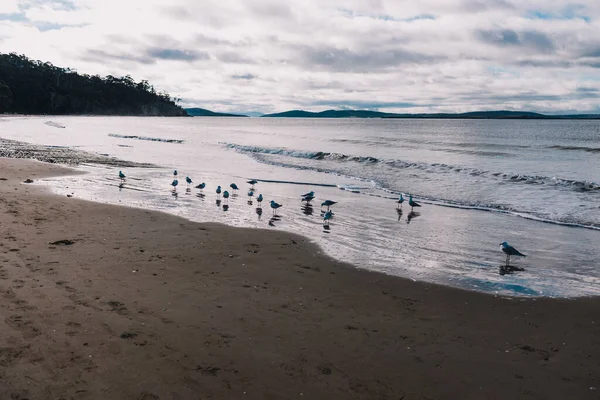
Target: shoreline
{"x": 146, "y": 305}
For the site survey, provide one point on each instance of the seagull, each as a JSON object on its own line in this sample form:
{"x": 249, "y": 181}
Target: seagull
{"x": 188, "y": 180}
{"x": 201, "y": 186}
{"x": 309, "y": 194}
{"x": 412, "y": 203}
{"x": 259, "y": 200}
{"x": 174, "y": 184}
{"x": 218, "y": 191}
{"x": 252, "y": 182}
{"x": 274, "y": 206}
{"x": 175, "y": 173}
{"x": 308, "y": 199}
{"x": 328, "y": 203}
{"x": 250, "y": 194}
{"x": 122, "y": 176}
{"x": 510, "y": 251}
{"x": 226, "y": 196}
{"x": 400, "y": 201}
{"x": 328, "y": 215}
{"x": 234, "y": 187}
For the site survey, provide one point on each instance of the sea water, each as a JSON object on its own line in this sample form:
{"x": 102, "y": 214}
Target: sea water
{"x": 534, "y": 184}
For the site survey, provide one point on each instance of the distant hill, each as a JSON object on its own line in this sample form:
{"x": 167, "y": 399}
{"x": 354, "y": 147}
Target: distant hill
{"x": 468, "y": 115}
{"x": 201, "y": 112}
{"x": 35, "y": 87}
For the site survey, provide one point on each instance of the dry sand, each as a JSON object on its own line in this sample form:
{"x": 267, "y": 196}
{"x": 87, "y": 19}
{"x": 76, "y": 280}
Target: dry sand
{"x": 143, "y": 305}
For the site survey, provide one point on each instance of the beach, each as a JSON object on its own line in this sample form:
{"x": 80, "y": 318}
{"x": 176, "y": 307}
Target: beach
{"x": 101, "y": 301}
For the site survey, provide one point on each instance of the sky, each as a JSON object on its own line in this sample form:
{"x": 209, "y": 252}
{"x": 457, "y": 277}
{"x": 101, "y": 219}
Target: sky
{"x": 275, "y": 55}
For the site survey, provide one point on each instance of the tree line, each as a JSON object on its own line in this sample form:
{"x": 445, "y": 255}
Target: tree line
{"x": 35, "y": 87}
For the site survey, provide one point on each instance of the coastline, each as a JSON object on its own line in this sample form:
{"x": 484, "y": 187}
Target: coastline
{"x": 146, "y": 305}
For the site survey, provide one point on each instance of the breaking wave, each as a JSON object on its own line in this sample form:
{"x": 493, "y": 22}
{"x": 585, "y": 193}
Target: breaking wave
{"x": 257, "y": 151}
{"x": 152, "y": 139}
{"x": 576, "y": 148}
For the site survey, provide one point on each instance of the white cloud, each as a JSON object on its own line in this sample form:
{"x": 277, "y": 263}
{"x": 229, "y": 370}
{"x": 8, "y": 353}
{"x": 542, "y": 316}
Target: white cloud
{"x": 9, "y": 6}
{"x": 430, "y": 55}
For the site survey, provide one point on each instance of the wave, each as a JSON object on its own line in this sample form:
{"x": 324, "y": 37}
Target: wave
{"x": 576, "y": 148}
{"x": 313, "y": 155}
{"x": 152, "y": 139}
{"x": 572, "y": 184}
{"x": 54, "y": 124}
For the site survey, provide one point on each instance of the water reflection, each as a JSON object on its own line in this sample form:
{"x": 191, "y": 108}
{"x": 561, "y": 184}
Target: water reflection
{"x": 411, "y": 215}
{"x": 274, "y": 218}
{"x": 259, "y": 212}
{"x": 307, "y": 209}
{"x": 121, "y": 186}
{"x": 225, "y": 207}
{"x": 218, "y": 202}
{"x": 399, "y": 211}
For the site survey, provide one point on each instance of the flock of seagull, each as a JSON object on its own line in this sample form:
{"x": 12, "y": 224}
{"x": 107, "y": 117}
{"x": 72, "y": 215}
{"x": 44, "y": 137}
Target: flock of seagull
{"x": 327, "y": 215}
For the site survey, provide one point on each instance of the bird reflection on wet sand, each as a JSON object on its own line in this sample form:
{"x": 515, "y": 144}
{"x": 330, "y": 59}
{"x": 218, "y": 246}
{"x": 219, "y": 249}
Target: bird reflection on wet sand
{"x": 307, "y": 209}
{"x": 225, "y": 207}
{"x": 200, "y": 195}
{"x": 411, "y": 215}
{"x": 218, "y": 203}
{"x": 259, "y": 212}
{"x": 188, "y": 191}
{"x": 399, "y": 211}
{"x": 175, "y": 194}
{"x": 274, "y": 219}
{"x": 121, "y": 186}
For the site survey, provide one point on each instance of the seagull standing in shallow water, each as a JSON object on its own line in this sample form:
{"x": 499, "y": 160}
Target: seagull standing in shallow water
{"x": 412, "y": 203}
{"x": 328, "y": 203}
{"x": 308, "y": 199}
{"x": 259, "y": 200}
{"x": 122, "y": 176}
{"x": 275, "y": 206}
{"x": 400, "y": 201}
{"x": 218, "y": 191}
{"x": 510, "y": 251}
{"x": 233, "y": 187}
{"x": 201, "y": 186}
{"x": 226, "y": 196}
{"x": 174, "y": 184}
{"x": 175, "y": 174}
{"x": 252, "y": 182}
{"x": 328, "y": 215}
{"x": 188, "y": 180}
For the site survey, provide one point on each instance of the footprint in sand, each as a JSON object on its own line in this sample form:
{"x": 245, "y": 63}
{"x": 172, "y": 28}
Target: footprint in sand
{"x": 19, "y": 323}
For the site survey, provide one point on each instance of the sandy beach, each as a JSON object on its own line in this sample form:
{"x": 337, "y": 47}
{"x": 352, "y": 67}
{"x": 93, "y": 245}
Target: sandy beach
{"x": 107, "y": 302}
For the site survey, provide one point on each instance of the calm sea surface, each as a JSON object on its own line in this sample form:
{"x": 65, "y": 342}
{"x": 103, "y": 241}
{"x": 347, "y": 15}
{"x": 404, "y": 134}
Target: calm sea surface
{"x": 535, "y": 184}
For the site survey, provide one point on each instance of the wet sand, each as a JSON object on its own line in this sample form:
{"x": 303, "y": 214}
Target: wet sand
{"x": 106, "y": 302}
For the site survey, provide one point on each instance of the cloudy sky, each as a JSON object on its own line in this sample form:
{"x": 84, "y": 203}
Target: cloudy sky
{"x": 275, "y": 55}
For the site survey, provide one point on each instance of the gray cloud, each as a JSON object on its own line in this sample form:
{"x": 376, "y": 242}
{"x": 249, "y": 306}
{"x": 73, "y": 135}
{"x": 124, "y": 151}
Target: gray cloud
{"x": 509, "y": 37}
{"x": 178, "y": 13}
{"x": 230, "y": 57}
{"x": 176, "y": 54}
{"x": 95, "y": 55}
{"x": 247, "y": 77}
{"x": 344, "y": 60}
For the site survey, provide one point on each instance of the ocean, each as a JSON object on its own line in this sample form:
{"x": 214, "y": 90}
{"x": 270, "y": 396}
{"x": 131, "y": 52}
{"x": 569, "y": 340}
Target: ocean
{"x": 534, "y": 184}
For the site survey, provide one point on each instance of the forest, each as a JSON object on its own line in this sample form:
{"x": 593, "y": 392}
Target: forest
{"x": 35, "y": 87}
